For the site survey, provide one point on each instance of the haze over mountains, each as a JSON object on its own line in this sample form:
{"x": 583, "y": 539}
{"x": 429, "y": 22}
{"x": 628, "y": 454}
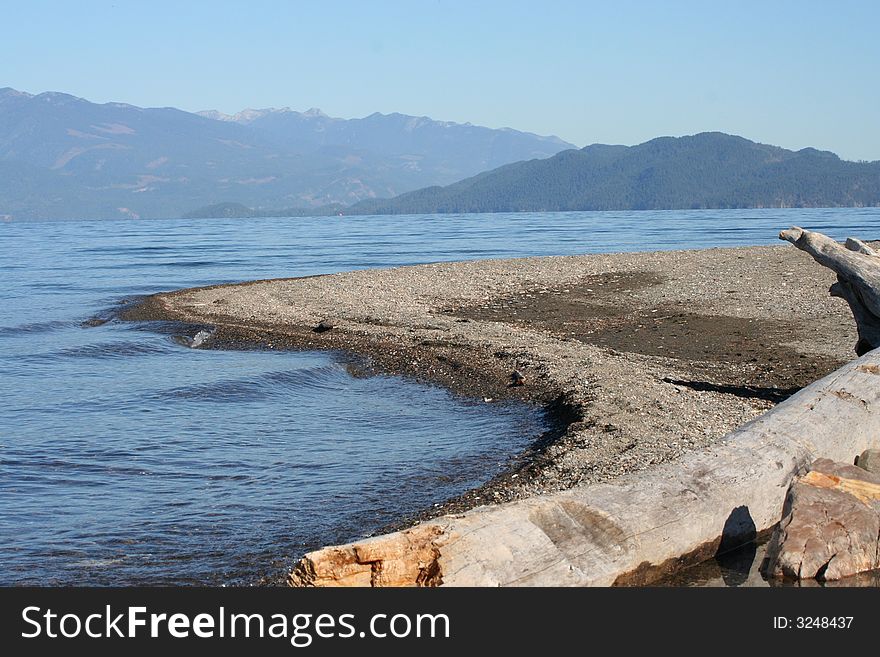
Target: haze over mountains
{"x": 63, "y": 156}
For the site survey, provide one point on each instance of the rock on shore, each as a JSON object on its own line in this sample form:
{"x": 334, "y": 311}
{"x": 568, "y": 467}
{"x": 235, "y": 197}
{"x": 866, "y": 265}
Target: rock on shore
{"x": 830, "y": 527}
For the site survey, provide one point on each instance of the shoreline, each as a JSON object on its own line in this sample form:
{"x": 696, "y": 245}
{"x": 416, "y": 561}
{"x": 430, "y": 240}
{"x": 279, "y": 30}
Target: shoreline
{"x": 610, "y": 345}
{"x": 369, "y": 357}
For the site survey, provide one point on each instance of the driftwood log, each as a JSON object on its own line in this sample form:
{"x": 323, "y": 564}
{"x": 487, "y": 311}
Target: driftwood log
{"x": 857, "y": 266}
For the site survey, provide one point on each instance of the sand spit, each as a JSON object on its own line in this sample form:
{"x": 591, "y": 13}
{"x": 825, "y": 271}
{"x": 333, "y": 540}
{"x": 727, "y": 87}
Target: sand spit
{"x": 640, "y": 357}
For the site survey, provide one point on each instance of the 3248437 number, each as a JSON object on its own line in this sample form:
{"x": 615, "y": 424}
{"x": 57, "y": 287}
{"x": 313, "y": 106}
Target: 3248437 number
{"x": 823, "y": 622}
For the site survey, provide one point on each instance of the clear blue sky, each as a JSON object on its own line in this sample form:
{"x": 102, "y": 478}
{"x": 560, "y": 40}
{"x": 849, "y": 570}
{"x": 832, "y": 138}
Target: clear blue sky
{"x": 795, "y": 73}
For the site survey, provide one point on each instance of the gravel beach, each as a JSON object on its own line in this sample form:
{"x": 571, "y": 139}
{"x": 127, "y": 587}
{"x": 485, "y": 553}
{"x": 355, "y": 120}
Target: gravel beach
{"x": 638, "y": 357}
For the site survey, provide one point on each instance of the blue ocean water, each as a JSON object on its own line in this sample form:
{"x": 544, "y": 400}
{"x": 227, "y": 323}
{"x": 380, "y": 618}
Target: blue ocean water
{"x": 127, "y": 458}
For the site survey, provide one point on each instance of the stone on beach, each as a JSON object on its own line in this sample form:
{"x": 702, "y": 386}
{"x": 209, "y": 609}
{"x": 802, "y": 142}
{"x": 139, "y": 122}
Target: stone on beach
{"x": 200, "y": 338}
{"x": 830, "y": 525}
{"x": 869, "y": 460}
{"x": 325, "y": 325}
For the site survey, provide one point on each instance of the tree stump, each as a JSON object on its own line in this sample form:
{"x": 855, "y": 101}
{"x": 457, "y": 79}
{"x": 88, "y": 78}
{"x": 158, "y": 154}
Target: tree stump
{"x": 857, "y": 266}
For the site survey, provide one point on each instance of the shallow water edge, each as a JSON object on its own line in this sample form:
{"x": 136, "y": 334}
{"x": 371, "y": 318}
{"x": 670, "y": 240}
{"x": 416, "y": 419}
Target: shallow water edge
{"x": 450, "y": 365}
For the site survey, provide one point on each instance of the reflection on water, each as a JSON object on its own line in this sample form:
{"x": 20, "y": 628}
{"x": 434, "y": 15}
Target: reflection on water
{"x": 742, "y": 568}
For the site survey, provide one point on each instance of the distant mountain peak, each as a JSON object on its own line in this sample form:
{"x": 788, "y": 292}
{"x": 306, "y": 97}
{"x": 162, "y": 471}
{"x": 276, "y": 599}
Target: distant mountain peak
{"x": 250, "y": 115}
{"x": 245, "y": 116}
{"x": 9, "y": 91}
{"x": 57, "y": 97}
{"x": 214, "y": 115}
{"x": 817, "y": 153}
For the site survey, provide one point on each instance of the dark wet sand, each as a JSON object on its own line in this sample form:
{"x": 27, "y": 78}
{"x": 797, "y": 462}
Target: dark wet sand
{"x": 600, "y": 311}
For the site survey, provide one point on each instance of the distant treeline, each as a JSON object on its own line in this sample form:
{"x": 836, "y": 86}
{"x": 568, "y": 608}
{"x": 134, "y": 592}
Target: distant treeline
{"x": 239, "y": 211}
{"x": 709, "y": 170}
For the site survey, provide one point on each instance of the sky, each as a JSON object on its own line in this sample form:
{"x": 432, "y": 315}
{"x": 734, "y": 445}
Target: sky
{"x": 789, "y": 73}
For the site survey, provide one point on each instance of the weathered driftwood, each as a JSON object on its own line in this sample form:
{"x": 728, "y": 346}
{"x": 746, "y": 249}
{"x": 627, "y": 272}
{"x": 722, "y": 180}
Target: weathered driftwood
{"x": 830, "y": 525}
{"x": 859, "y": 486}
{"x": 634, "y": 528}
{"x": 857, "y": 266}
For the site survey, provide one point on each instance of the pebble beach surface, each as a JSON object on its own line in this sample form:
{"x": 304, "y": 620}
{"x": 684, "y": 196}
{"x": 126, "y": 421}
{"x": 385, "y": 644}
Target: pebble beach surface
{"x": 639, "y": 357}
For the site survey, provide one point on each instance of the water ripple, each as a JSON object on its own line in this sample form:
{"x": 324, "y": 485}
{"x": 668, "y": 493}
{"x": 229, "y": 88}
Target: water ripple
{"x": 35, "y": 327}
{"x": 117, "y": 350}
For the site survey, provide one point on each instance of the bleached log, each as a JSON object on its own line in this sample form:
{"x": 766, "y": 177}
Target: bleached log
{"x": 858, "y": 278}
{"x": 634, "y": 528}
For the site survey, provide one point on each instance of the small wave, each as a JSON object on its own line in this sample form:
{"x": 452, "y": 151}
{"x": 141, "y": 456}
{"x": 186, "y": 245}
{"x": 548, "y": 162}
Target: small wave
{"x": 74, "y": 468}
{"x": 53, "y": 286}
{"x": 97, "y": 563}
{"x": 272, "y": 384}
{"x": 127, "y": 250}
{"x": 107, "y": 350}
{"x": 187, "y": 264}
{"x": 35, "y": 327}
{"x": 322, "y": 378}
{"x": 93, "y": 322}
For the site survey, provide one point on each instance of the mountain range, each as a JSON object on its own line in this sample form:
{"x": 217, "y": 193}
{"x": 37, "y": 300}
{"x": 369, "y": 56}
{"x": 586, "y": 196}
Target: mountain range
{"x": 63, "y": 156}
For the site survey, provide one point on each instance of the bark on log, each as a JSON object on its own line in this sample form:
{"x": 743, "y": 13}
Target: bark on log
{"x": 635, "y": 528}
{"x": 857, "y": 266}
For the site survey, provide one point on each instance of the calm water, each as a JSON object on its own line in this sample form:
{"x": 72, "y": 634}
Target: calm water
{"x": 127, "y": 458}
